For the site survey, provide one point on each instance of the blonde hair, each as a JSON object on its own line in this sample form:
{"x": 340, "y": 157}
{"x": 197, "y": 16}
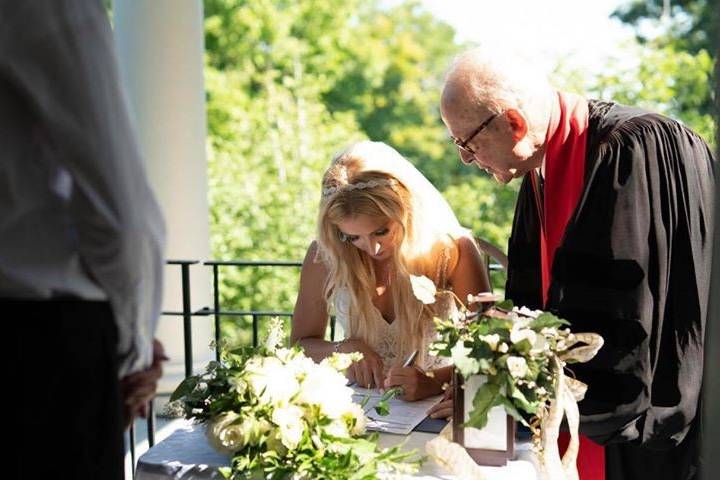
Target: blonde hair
{"x": 373, "y": 179}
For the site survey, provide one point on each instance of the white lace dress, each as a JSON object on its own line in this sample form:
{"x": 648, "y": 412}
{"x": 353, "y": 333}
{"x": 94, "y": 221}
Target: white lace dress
{"x": 387, "y": 345}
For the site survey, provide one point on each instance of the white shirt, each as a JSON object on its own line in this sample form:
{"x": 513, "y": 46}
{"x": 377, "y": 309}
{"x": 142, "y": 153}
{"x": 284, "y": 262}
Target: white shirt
{"x": 77, "y": 215}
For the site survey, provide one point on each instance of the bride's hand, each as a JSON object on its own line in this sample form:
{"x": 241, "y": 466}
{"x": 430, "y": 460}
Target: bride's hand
{"x": 368, "y": 372}
{"x": 415, "y": 383}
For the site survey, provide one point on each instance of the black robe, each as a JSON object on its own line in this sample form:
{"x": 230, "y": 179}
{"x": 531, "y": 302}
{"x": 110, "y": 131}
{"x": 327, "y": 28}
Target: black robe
{"x": 633, "y": 266}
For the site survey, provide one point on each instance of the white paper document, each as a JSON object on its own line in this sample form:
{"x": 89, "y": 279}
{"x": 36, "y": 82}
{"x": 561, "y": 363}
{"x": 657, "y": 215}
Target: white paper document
{"x": 404, "y": 416}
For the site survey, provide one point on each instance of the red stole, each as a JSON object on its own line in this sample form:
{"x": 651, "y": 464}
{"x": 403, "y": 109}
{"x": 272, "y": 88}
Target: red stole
{"x": 564, "y": 182}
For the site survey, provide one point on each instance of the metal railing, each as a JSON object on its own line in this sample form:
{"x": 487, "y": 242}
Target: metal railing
{"x": 217, "y": 312}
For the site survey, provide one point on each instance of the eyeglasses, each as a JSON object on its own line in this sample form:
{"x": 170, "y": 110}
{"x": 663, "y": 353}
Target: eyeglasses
{"x": 463, "y": 144}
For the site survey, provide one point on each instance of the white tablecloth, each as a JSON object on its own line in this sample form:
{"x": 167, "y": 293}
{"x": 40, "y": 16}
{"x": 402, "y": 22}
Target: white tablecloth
{"x": 186, "y": 454}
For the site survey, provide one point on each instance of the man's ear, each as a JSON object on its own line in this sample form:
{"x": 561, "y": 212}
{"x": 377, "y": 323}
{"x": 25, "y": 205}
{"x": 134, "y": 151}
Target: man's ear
{"x": 518, "y": 124}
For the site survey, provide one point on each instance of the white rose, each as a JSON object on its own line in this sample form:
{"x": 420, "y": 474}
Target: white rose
{"x": 549, "y": 331}
{"x": 491, "y": 340}
{"x": 337, "y": 428}
{"x": 300, "y": 366}
{"x": 326, "y": 387}
{"x": 517, "y": 366}
{"x": 423, "y": 288}
{"x": 466, "y": 365}
{"x": 539, "y": 345}
{"x": 289, "y": 420}
{"x": 225, "y": 435}
{"x": 517, "y": 335}
{"x": 502, "y": 348}
{"x": 271, "y": 380}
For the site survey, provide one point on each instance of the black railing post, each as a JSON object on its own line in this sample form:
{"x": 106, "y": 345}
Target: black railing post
{"x": 131, "y": 435}
{"x": 187, "y": 319}
{"x": 216, "y": 307}
{"x": 151, "y": 423}
{"x": 255, "y": 329}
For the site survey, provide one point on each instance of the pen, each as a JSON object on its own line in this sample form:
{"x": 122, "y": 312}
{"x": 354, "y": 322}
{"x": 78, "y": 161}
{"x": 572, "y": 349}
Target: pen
{"x": 410, "y": 359}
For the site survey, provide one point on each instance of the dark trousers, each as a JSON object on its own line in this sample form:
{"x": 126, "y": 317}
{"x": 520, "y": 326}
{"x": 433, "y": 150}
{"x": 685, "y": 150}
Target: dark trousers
{"x": 67, "y": 398}
{"x": 629, "y": 462}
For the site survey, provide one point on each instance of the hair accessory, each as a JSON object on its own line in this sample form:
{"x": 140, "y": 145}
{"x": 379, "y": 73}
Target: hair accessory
{"x": 326, "y": 192}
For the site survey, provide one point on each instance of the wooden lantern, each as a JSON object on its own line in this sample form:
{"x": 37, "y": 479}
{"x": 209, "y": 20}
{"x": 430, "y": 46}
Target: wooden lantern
{"x": 494, "y": 445}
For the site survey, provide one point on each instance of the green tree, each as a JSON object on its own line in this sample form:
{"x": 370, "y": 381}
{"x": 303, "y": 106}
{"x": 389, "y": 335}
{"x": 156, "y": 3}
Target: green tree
{"x": 288, "y": 84}
{"x": 675, "y": 73}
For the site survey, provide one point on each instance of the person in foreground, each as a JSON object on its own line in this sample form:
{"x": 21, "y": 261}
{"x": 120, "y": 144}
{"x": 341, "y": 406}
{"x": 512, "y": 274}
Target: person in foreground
{"x": 381, "y": 222}
{"x": 612, "y": 231}
{"x": 81, "y": 242}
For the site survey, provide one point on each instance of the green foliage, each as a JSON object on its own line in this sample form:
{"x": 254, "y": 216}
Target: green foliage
{"x": 689, "y": 24}
{"x": 289, "y": 84}
{"x": 676, "y": 65}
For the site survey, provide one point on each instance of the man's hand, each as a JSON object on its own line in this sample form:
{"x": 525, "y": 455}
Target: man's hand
{"x": 139, "y": 388}
{"x": 443, "y": 409}
{"x": 416, "y": 384}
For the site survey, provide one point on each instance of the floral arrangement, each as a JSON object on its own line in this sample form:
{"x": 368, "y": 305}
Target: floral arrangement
{"x": 522, "y": 354}
{"x": 281, "y": 415}
{"x": 513, "y": 348}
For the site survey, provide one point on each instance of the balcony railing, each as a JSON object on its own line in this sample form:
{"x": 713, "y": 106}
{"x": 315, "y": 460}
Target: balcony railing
{"x": 217, "y": 313}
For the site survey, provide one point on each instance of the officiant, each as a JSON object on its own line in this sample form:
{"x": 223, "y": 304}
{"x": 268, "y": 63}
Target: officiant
{"x": 612, "y": 231}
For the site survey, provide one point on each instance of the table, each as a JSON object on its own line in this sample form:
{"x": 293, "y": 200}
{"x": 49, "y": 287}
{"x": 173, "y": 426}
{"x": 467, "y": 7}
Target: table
{"x": 186, "y": 455}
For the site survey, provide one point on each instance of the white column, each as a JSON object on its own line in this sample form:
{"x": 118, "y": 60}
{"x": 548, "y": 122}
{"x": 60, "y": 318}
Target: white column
{"x": 160, "y": 50}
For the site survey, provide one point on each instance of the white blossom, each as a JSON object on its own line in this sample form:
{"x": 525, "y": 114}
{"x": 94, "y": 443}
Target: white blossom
{"x": 271, "y": 380}
{"x": 465, "y": 364}
{"x": 491, "y": 340}
{"x": 326, "y": 387}
{"x": 517, "y": 366}
{"x": 527, "y": 312}
{"x": 518, "y": 334}
{"x": 289, "y": 419}
{"x": 423, "y": 288}
{"x": 225, "y": 433}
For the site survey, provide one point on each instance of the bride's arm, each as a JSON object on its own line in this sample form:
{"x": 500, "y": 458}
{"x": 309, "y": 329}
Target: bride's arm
{"x": 310, "y": 320}
{"x": 310, "y": 317}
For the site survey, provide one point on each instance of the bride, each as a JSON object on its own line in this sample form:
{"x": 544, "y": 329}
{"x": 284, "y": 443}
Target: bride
{"x": 381, "y": 222}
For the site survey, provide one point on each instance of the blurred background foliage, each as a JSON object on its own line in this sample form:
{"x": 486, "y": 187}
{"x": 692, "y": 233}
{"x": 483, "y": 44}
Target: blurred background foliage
{"x": 290, "y": 82}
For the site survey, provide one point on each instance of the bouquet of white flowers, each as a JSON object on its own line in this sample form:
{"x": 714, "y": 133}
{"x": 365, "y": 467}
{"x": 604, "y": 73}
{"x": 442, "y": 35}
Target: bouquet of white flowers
{"x": 281, "y": 415}
{"x": 522, "y": 354}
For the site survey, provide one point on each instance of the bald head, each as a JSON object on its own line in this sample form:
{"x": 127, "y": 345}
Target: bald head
{"x": 484, "y": 81}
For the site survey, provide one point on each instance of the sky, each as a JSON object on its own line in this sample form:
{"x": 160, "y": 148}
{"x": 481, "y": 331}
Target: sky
{"x": 578, "y": 33}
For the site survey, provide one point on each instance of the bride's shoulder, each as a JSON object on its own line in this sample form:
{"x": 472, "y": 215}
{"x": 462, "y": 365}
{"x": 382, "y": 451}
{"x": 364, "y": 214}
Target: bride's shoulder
{"x": 313, "y": 264}
{"x": 466, "y": 250}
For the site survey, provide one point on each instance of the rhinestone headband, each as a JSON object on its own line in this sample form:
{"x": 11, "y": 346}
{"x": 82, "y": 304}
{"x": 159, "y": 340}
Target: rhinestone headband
{"x": 326, "y": 192}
